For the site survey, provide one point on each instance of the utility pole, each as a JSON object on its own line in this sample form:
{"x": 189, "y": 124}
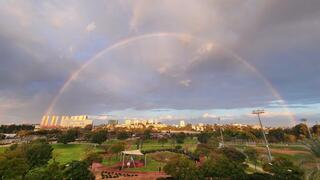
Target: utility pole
{"x": 305, "y": 122}
{"x": 221, "y": 134}
{"x": 258, "y": 112}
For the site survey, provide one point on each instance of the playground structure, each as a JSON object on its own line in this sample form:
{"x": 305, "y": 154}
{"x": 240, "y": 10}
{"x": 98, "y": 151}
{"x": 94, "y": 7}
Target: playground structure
{"x": 132, "y": 154}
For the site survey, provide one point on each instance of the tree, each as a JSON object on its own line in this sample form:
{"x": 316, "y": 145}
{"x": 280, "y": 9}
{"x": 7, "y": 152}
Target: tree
{"x": 93, "y": 157}
{"x": 52, "y": 171}
{"x": 252, "y": 155}
{"x": 147, "y": 134}
{"x": 282, "y": 168}
{"x": 316, "y": 130}
{"x": 99, "y": 137}
{"x": 2, "y": 136}
{"x": 276, "y": 135}
{"x": 122, "y": 135}
{"x": 222, "y": 167}
{"x": 204, "y": 137}
{"x": 78, "y": 170}
{"x": 69, "y": 136}
{"x": 13, "y": 168}
{"x": 180, "y": 137}
{"x": 116, "y": 148}
{"x": 38, "y": 153}
{"x": 162, "y": 141}
{"x": 290, "y": 138}
{"x": 300, "y": 130}
{"x": 182, "y": 168}
{"x": 233, "y": 154}
{"x": 259, "y": 176}
{"x": 314, "y": 147}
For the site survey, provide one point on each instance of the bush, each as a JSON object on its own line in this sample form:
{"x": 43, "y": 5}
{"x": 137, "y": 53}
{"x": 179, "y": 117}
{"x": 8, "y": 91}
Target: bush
{"x": 122, "y": 135}
{"x": 93, "y": 157}
{"x": 282, "y": 168}
{"x": 99, "y": 137}
{"x": 180, "y": 138}
{"x": 182, "y": 168}
{"x": 116, "y": 148}
{"x": 78, "y": 170}
{"x": 69, "y": 136}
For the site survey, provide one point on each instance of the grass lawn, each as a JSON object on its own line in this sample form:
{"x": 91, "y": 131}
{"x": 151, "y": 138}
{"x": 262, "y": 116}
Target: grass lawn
{"x": 152, "y": 165}
{"x": 298, "y": 154}
{"x": 65, "y": 153}
{"x": 111, "y": 161}
{"x": 2, "y": 149}
{"x": 189, "y": 144}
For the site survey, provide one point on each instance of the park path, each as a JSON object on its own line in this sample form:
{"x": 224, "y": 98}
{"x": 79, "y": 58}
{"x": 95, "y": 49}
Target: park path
{"x": 258, "y": 168}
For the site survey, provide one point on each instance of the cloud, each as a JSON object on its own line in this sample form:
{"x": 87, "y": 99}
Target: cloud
{"x": 207, "y": 115}
{"x": 186, "y": 82}
{"x": 91, "y": 27}
{"x": 41, "y": 45}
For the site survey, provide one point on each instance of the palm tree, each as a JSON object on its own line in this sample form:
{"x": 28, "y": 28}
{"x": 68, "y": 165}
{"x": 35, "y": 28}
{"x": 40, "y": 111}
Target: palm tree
{"x": 314, "y": 147}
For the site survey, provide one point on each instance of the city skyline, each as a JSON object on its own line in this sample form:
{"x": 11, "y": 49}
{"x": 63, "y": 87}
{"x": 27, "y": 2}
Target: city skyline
{"x": 157, "y": 60}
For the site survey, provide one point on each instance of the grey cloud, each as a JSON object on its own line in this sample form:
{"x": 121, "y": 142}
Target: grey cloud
{"x": 42, "y": 43}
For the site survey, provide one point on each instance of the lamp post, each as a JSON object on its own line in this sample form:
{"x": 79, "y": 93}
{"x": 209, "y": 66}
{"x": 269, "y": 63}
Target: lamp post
{"x": 305, "y": 122}
{"x": 258, "y": 112}
{"x": 221, "y": 134}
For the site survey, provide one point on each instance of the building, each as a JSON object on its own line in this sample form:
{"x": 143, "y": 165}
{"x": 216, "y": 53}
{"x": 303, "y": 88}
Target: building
{"x": 113, "y": 122}
{"x": 182, "y": 124}
{"x": 65, "y": 121}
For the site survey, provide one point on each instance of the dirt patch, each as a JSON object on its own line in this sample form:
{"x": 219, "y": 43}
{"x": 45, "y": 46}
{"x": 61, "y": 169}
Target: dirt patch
{"x": 283, "y": 151}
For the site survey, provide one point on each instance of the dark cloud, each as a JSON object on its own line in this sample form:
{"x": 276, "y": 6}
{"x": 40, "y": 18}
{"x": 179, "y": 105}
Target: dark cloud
{"x": 42, "y": 43}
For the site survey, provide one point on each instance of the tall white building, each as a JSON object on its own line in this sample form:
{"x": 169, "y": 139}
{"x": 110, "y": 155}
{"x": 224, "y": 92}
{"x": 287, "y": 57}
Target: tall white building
{"x": 65, "y": 121}
{"x": 182, "y": 124}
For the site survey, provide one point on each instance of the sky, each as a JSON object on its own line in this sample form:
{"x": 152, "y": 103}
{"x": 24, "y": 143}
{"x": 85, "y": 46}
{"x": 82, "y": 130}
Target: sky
{"x": 167, "y": 60}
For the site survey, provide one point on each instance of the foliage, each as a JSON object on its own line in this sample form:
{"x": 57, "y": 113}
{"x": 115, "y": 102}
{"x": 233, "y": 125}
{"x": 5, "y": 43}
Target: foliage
{"x": 52, "y": 171}
{"x": 180, "y": 137}
{"x": 13, "y": 168}
{"x": 276, "y": 135}
{"x": 233, "y": 154}
{"x": 99, "y": 137}
{"x": 282, "y": 168}
{"x": 15, "y": 128}
{"x": 2, "y": 136}
{"x": 38, "y": 153}
{"x": 20, "y": 159}
{"x": 122, "y": 135}
{"x": 116, "y": 148}
{"x": 182, "y": 168}
{"x": 252, "y": 155}
{"x": 204, "y": 137}
{"x": 259, "y": 176}
{"x": 78, "y": 170}
{"x": 223, "y": 167}
{"x": 290, "y": 138}
{"x": 316, "y": 129}
{"x": 69, "y": 136}
{"x": 93, "y": 157}
{"x": 147, "y": 134}
{"x": 162, "y": 141}
{"x": 300, "y": 130}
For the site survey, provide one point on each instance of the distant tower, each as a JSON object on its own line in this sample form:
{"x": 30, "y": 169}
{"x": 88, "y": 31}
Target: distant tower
{"x": 182, "y": 124}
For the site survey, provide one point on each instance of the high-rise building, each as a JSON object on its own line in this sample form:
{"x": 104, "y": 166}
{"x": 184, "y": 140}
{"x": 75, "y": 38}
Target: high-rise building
{"x": 65, "y": 121}
{"x": 182, "y": 124}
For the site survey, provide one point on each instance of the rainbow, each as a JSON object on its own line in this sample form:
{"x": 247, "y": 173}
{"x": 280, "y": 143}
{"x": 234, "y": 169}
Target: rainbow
{"x": 182, "y": 37}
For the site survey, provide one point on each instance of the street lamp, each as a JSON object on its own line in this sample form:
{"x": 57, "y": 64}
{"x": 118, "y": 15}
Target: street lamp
{"x": 221, "y": 134}
{"x": 258, "y": 112}
{"x": 304, "y": 120}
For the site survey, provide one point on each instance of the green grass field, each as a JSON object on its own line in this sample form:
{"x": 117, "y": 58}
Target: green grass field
{"x": 2, "y": 149}
{"x": 65, "y": 153}
{"x": 189, "y": 144}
